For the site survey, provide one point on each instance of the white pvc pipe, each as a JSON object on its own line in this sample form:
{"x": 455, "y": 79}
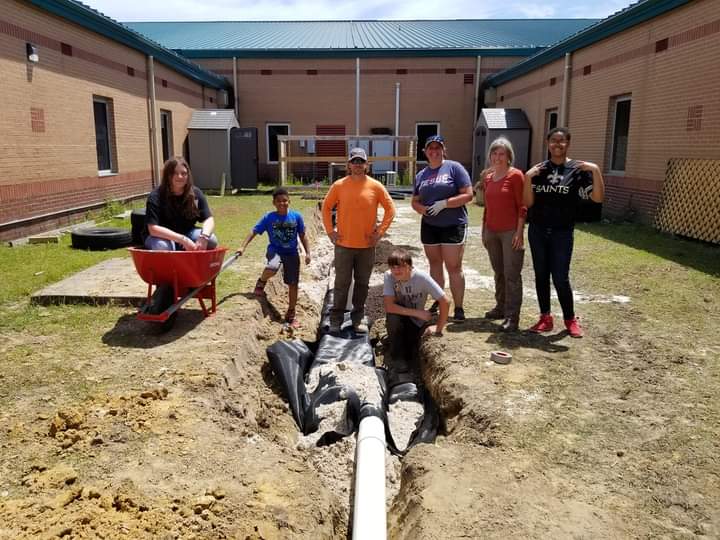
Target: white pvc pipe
{"x": 369, "y": 519}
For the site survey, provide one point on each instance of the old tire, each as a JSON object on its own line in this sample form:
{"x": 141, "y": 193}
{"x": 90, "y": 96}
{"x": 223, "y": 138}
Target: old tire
{"x": 97, "y": 238}
{"x": 137, "y": 221}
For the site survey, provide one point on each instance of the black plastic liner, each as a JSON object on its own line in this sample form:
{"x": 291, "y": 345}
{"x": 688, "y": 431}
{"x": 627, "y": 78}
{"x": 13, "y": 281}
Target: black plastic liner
{"x": 292, "y": 360}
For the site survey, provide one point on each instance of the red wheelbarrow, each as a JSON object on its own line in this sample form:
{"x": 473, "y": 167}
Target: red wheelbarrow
{"x": 190, "y": 274}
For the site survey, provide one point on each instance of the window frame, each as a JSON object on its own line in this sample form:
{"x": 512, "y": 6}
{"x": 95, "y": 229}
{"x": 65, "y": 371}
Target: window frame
{"x": 421, "y": 143}
{"x": 109, "y": 127}
{"x": 169, "y": 132}
{"x": 548, "y": 113}
{"x": 614, "y": 110}
{"x": 267, "y": 139}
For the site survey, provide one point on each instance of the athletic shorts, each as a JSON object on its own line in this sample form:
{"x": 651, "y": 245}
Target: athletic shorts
{"x": 430, "y": 235}
{"x": 290, "y": 264}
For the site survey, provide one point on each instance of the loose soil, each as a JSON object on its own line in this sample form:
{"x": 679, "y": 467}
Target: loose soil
{"x": 139, "y": 434}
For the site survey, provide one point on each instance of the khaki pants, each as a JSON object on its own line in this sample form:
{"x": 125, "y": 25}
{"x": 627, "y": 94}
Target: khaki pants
{"x": 351, "y": 263}
{"x": 507, "y": 264}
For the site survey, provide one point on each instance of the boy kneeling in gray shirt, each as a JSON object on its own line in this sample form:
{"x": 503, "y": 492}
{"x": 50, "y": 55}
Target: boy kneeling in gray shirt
{"x": 405, "y": 292}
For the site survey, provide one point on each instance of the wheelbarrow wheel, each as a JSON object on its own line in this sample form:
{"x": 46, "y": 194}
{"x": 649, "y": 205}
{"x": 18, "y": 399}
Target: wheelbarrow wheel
{"x": 167, "y": 324}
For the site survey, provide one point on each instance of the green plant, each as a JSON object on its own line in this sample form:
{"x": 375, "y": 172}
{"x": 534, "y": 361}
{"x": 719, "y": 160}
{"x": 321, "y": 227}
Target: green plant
{"x": 110, "y": 210}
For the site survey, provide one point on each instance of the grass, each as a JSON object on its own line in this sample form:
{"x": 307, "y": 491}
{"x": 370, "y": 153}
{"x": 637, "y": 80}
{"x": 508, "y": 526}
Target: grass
{"x": 31, "y": 267}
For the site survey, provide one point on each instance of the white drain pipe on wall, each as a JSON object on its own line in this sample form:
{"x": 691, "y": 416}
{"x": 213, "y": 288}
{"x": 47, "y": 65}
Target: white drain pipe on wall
{"x": 565, "y": 100}
{"x": 396, "y": 146}
{"x": 369, "y": 517}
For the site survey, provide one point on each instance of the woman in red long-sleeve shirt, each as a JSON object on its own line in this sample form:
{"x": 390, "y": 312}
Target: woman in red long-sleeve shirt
{"x": 502, "y": 235}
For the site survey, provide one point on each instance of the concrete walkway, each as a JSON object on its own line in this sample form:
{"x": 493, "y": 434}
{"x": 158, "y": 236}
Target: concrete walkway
{"x": 113, "y": 281}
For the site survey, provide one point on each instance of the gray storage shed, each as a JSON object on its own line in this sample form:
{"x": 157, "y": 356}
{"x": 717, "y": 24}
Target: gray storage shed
{"x": 509, "y": 123}
{"x": 209, "y": 146}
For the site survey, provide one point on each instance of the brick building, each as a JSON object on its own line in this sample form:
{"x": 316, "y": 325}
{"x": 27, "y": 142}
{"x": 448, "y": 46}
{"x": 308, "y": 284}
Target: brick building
{"x": 642, "y": 87}
{"x": 80, "y": 126}
{"x": 75, "y": 128}
{"x": 303, "y": 78}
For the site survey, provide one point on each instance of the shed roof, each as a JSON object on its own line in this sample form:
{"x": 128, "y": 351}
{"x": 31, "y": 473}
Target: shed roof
{"x": 220, "y": 119}
{"x": 632, "y": 15}
{"x": 359, "y": 38}
{"x": 87, "y": 17}
{"x": 504, "y": 119}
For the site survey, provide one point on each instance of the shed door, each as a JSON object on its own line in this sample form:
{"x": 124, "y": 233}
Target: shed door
{"x": 244, "y": 157}
{"x": 382, "y": 148}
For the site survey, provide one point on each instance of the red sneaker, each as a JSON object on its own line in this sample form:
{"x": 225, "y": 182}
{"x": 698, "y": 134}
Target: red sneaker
{"x": 574, "y": 328}
{"x": 259, "y": 292}
{"x": 545, "y": 324}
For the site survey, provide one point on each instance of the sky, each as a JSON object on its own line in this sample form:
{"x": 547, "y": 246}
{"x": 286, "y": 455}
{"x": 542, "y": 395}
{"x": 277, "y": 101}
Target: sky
{"x": 274, "y": 10}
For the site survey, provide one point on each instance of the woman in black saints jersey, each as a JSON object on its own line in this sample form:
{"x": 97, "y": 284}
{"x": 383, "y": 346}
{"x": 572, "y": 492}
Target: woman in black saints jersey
{"x": 552, "y": 192}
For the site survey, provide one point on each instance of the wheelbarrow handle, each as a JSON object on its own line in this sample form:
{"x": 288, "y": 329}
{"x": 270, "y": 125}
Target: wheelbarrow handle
{"x": 172, "y": 309}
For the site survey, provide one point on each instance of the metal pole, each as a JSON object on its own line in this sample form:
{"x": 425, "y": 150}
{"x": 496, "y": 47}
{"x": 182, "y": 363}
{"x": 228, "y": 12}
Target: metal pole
{"x": 357, "y": 99}
{"x": 396, "y": 144}
{"x": 283, "y": 163}
{"x": 154, "y": 166}
{"x": 564, "y": 105}
{"x": 235, "y": 90}
{"x": 475, "y": 115}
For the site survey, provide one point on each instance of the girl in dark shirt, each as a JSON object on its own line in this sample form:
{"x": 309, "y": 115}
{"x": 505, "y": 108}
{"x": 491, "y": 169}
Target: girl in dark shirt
{"x": 552, "y": 192}
{"x": 174, "y": 208}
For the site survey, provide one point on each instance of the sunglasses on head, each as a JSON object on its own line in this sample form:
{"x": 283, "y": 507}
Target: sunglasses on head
{"x": 357, "y": 161}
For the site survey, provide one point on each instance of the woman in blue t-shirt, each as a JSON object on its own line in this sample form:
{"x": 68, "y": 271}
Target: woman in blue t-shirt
{"x": 441, "y": 191}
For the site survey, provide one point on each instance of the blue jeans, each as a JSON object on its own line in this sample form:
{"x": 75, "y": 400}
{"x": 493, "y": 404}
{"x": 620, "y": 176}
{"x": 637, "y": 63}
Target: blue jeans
{"x": 551, "y": 249}
{"x": 161, "y": 244}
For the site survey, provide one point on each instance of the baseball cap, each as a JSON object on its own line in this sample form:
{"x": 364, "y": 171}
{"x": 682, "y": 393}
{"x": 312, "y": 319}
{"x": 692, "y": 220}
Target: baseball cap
{"x": 357, "y": 153}
{"x": 435, "y": 138}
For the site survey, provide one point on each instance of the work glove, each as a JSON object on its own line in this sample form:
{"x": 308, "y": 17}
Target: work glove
{"x": 435, "y": 208}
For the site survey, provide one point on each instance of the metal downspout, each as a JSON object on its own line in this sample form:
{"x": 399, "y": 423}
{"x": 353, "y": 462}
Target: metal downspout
{"x": 152, "y": 117}
{"x": 236, "y": 105}
{"x": 396, "y": 144}
{"x": 476, "y": 105}
{"x": 564, "y": 102}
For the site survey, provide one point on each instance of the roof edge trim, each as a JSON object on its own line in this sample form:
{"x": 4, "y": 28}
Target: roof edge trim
{"x": 96, "y": 22}
{"x": 352, "y": 53}
{"x": 614, "y": 24}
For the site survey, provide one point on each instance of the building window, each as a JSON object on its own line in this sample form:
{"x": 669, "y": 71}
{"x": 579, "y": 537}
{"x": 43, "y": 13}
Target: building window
{"x": 423, "y": 131}
{"x": 104, "y": 134}
{"x": 620, "y": 130}
{"x": 166, "y": 134}
{"x": 273, "y": 130}
{"x": 551, "y": 122}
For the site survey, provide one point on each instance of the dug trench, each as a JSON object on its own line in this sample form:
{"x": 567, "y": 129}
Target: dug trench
{"x": 188, "y": 435}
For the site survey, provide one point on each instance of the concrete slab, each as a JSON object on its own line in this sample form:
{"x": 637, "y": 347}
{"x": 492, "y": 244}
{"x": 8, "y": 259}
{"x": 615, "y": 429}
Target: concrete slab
{"x": 113, "y": 281}
{"x": 44, "y": 239}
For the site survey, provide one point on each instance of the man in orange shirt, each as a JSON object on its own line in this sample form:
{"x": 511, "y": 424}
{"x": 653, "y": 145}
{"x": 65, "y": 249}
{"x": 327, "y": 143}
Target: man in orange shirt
{"x": 357, "y": 198}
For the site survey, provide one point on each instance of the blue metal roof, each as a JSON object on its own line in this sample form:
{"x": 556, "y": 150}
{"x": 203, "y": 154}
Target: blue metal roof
{"x": 359, "y": 38}
{"x": 622, "y": 20}
{"x": 95, "y": 21}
